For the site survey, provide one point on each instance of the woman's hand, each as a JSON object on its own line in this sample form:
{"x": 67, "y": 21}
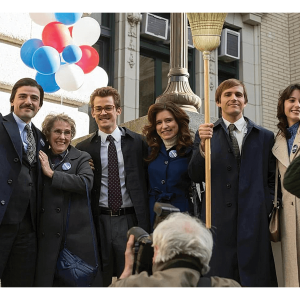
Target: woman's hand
{"x": 45, "y": 164}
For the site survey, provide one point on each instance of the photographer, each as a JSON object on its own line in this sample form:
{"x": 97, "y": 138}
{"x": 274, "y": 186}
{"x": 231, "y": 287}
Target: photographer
{"x": 182, "y": 251}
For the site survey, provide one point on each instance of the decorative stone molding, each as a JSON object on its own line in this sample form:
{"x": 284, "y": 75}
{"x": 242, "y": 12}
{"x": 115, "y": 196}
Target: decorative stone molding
{"x": 133, "y": 19}
{"x": 252, "y": 18}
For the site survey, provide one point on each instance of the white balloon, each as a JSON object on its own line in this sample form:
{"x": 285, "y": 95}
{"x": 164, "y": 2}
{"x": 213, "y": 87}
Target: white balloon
{"x": 69, "y": 77}
{"x": 42, "y": 18}
{"x": 86, "y": 32}
{"x": 96, "y": 79}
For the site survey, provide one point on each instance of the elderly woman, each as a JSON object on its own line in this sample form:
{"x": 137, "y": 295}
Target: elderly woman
{"x": 170, "y": 149}
{"x": 64, "y": 168}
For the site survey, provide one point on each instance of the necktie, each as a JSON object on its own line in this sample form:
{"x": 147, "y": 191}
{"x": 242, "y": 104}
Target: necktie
{"x": 235, "y": 145}
{"x": 114, "y": 187}
{"x": 31, "y": 146}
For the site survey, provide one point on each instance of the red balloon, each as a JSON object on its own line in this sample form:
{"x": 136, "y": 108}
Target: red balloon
{"x": 71, "y": 29}
{"x": 89, "y": 60}
{"x": 56, "y": 35}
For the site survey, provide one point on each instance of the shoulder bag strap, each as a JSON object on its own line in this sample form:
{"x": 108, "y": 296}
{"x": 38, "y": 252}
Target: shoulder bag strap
{"x": 276, "y": 186}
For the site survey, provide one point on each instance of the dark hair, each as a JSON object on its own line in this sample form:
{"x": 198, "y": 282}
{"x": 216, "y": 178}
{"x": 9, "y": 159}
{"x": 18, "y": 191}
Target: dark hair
{"x": 284, "y": 95}
{"x": 227, "y": 84}
{"x": 25, "y": 82}
{"x": 104, "y": 92}
{"x": 153, "y": 139}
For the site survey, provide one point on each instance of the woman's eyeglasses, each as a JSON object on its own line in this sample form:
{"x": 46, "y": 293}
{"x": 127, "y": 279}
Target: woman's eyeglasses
{"x": 59, "y": 132}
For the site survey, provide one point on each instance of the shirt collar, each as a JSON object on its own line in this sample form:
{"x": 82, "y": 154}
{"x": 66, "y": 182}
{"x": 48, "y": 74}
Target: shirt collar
{"x": 21, "y": 124}
{"x": 116, "y": 135}
{"x": 240, "y": 123}
{"x": 293, "y": 129}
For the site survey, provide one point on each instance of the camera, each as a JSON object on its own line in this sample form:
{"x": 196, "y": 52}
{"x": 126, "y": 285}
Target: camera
{"x": 143, "y": 253}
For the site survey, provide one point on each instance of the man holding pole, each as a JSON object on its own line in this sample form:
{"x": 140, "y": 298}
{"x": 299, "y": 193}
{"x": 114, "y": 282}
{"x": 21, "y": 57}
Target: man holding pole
{"x": 242, "y": 181}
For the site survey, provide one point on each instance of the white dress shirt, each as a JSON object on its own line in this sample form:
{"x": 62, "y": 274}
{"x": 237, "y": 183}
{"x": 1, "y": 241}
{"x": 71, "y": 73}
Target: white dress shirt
{"x": 240, "y": 131}
{"x": 103, "y": 201}
{"x": 23, "y": 132}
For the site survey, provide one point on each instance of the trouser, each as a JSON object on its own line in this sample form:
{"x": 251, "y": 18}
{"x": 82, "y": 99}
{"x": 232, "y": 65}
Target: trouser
{"x": 113, "y": 235}
{"x": 18, "y": 250}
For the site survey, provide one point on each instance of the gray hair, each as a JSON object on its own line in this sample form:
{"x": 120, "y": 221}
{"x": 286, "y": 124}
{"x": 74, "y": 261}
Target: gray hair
{"x": 183, "y": 234}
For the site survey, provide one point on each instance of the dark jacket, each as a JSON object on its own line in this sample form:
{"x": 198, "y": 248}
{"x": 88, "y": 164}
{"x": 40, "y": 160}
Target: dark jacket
{"x": 169, "y": 181}
{"x": 64, "y": 186}
{"x": 240, "y": 204}
{"x": 134, "y": 150}
{"x": 291, "y": 181}
{"x": 11, "y": 148}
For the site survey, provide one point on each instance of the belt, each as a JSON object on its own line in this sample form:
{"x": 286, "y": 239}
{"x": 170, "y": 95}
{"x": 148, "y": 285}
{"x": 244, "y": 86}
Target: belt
{"x": 120, "y": 212}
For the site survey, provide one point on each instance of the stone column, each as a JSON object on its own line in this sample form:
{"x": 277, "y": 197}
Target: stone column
{"x": 127, "y": 63}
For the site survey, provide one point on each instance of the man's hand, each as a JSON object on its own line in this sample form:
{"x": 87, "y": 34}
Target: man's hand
{"x": 129, "y": 258}
{"x": 205, "y": 132}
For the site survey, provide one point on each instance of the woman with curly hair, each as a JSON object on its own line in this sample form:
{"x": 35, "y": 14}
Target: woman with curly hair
{"x": 286, "y": 149}
{"x": 170, "y": 149}
{"x": 65, "y": 170}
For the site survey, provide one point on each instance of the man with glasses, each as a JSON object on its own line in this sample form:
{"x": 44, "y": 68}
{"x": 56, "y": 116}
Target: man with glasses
{"x": 20, "y": 184}
{"x": 119, "y": 195}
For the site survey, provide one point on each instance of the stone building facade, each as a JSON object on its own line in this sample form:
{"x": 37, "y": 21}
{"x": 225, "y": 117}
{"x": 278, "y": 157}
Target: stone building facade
{"x": 268, "y": 62}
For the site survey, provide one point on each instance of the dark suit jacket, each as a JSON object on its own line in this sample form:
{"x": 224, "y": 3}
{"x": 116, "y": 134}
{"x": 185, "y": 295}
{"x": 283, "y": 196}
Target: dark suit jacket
{"x": 11, "y": 159}
{"x": 134, "y": 149}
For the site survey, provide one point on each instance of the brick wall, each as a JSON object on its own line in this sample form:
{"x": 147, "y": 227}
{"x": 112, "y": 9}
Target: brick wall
{"x": 294, "y": 30}
{"x": 275, "y": 64}
{"x": 280, "y": 60}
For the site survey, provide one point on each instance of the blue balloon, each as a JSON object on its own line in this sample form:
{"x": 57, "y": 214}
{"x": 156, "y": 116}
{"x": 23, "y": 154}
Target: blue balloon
{"x": 28, "y": 49}
{"x": 72, "y": 54}
{"x": 46, "y": 60}
{"x": 67, "y": 18}
{"x": 47, "y": 82}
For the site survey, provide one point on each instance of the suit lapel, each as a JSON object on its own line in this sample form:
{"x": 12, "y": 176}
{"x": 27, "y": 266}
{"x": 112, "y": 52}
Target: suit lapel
{"x": 13, "y": 131}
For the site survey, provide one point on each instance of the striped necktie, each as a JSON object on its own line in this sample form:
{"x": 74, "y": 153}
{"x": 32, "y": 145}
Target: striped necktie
{"x": 235, "y": 145}
{"x": 31, "y": 146}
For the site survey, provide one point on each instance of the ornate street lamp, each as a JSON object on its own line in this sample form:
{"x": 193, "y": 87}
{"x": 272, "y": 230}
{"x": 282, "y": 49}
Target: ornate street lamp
{"x": 178, "y": 89}
{"x": 206, "y": 31}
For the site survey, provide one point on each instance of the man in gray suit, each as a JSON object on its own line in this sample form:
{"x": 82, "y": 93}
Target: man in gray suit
{"x": 119, "y": 196}
{"x": 20, "y": 184}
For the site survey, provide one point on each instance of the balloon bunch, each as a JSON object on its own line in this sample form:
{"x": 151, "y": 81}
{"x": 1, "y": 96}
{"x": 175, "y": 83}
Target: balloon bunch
{"x": 64, "y": 54}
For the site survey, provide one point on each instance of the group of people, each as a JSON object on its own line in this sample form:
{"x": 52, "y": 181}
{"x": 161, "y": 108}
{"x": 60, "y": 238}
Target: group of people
{"x": 44, "y": 179}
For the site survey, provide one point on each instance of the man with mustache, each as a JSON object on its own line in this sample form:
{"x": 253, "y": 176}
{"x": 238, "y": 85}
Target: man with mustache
{"x": 119, "y": 195}
{"x": 242, "y": 189}
{"x": 20, "y": 184}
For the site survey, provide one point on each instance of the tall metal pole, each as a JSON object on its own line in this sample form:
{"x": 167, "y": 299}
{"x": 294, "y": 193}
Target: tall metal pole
{"x": 178, "y": 89}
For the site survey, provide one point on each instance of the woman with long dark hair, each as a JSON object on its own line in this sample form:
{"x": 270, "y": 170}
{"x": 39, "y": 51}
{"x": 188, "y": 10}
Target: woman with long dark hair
{"x": 286, "y": 149}
{"x": 170, "y": 149}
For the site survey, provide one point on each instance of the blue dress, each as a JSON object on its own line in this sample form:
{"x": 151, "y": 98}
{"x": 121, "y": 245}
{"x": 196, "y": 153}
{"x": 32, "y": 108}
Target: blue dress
{"x": 169, "y": 180}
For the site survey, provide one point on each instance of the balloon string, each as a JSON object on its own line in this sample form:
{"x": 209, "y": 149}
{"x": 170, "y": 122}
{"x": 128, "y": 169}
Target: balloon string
{"x": 61, "y": 100}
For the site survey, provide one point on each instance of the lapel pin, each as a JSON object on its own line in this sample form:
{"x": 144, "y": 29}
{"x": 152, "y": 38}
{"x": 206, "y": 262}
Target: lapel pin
{"x": 42, "y": 142}
{"x": 173, "y": 153}
{"x": 294, "y": 149}
{"x": 66, "y": 166}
